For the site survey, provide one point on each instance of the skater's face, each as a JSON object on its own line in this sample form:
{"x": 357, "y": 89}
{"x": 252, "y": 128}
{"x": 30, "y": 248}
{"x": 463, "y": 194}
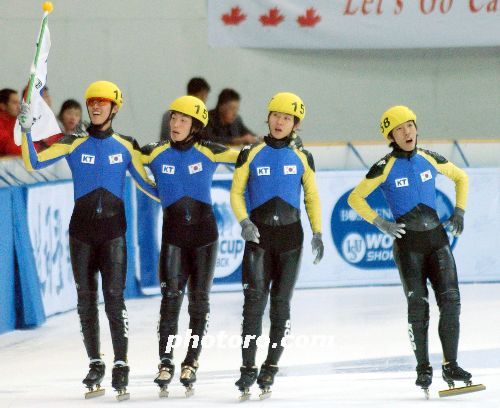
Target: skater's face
{"x": 405, "y": 136}
{"x": 99, "y": 110}
{"x": 180, "y": 126}
{"x": 281, "y": 124}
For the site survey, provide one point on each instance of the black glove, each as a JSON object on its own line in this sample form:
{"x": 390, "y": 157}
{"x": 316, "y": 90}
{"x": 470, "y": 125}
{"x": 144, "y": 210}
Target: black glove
{"x": 296, "y": 141}
{"x": 317, "y": 247}
{"x": 249, "y": 231}
{"x": 394, "y": 229}
{"x": 455, "y": 224}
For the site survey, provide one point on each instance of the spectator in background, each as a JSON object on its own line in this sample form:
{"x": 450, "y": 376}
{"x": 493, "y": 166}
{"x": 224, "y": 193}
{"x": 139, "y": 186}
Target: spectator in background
{"x": 197, "y": 87}
{"x": 10, "y": 106}
{"x": 225, "y": 125}
{"x": 70, "y": 117}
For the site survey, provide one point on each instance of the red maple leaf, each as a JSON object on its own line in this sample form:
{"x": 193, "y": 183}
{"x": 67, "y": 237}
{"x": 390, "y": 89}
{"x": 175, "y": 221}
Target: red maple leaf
{"x": 234, "y": 17}
{"x": 310, "y": 19}
{"x": 272, "y": 18}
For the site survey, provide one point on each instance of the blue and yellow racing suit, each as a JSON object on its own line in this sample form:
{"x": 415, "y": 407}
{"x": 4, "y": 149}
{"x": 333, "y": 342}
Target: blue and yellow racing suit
{"x": 183, "y": 172}
{"x": 98, "y": 162}
{"x": 273, "y": 174}
{"x": 407, "y": 180}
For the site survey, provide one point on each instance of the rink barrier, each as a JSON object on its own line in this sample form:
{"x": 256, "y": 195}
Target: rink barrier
{"x": 7, "y": 266}
{"x": 36, "y": 277}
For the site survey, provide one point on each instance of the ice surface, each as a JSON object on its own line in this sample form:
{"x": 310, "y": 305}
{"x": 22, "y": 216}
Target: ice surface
{"x": 367, "y": 363}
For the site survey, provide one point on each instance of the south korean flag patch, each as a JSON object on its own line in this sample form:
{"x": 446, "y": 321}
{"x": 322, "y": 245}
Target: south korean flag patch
{"x": 290, "y": 169}
{"x": 195, "y": 168}
{"x": 115, "y": 158}
{"x": 426, "y": 176}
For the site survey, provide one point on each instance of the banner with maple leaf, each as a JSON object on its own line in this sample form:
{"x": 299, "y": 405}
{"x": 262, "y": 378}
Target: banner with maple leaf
{"x": 347, "y": 24}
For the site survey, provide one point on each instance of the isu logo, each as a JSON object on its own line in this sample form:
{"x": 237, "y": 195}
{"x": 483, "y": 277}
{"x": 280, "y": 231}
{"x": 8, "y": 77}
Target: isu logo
{"x": 88, "y": 159}
{"x": 425, "y": 176}
{"x": 401, "y": 182}
{"x": 167, "y": 169}
{"x": 263, "y": 171}
{"x": 290, "y": 169}
{"x": 115, "y": 158}
{"x": 195, "y": 168}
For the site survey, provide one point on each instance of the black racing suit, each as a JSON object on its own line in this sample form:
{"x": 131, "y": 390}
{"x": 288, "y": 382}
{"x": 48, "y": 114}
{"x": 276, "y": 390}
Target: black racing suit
{"x": 422, "y": 254}
{"x": 97, "y": 243}
{"x": 187, "y": 257}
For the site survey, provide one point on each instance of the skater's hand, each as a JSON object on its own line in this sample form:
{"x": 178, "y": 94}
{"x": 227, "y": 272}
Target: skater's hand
{"x": 394, "y": 229}
{"x": 25, "y": 118}
{"x": 455, "y": 224}
{"x": 317, "y": 247}
{"x": 296, "y": 141}
{"x": 249, "y": 231}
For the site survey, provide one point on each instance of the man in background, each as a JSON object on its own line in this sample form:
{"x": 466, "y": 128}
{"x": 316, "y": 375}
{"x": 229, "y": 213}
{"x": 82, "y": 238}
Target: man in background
{"x": 225, "y": 126}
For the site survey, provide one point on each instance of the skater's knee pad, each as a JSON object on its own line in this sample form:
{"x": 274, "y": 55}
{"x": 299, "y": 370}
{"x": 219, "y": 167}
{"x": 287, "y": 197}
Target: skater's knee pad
{"x": 418, "y": 308}
{"x": 113, "y": 296}
{"x": 87, "y": 302}
{"x": 199, "y": 305}
{"x": 255, "y": 302}
{"x": 280, "y": 309}
{"x": 171, "y": 302}
{"x": 449, "y": 302}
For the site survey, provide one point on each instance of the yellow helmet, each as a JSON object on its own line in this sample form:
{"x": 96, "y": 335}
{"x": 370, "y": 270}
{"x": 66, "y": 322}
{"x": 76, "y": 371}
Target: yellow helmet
{"x": 191, "y": 106}
{"x": 287, "y": 102}
{"x": 105, "y": 90}
{"x": 394, "y": 117}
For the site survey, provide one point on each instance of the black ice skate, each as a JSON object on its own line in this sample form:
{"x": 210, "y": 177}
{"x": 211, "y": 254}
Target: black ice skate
{"x": 165, "y": 373}
{"x": 119, "y": 380}
{"x": 93, "y": 379}
{"x": 188, "y": 377}
{"x": 451, "y": 373}
{"x": 424, "y": 378}
{"x": 266, "y": 379}
{"x": 247, "y": 379}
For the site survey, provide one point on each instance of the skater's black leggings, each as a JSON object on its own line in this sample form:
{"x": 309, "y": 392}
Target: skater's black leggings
{"x": 110, "y": 258}
{"x": 422, "y": 256}
{"x": 179, "y": 267}
{"x": 270, "y": 267}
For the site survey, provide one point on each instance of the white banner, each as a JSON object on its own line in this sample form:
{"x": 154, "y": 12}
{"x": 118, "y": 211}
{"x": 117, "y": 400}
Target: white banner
{"x": 49, "y": 210}
{"x": 353, "y": 23}
{"x": 44, "y": 121}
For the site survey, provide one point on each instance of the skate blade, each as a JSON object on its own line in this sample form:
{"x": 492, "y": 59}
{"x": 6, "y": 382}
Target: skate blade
{"x": 245, "y": 396}
{"x": 189, "y": 391}
{"x": 122, "y": 396}
{"x": 163, "y": 392}
{"x": 426, "y": 393}
{"x": 98, "y": 392}
{"x": 266, "y": 393}
{"x": 462, "y": 390}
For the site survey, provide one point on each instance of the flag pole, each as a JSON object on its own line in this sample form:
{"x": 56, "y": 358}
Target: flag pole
{"x": 47, "y": 8}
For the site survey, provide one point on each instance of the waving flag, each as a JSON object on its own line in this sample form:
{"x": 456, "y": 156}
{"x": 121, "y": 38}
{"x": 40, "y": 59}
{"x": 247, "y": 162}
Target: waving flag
{"x": 45, "y": 123}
